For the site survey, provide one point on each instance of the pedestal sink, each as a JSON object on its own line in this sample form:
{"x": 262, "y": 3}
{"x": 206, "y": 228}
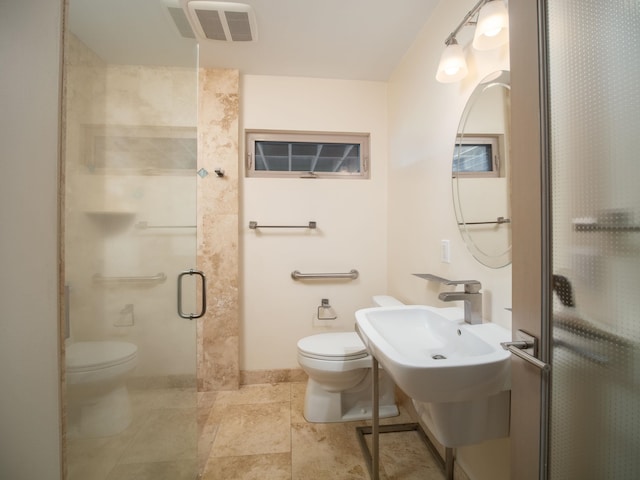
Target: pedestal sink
{"x": 457, "y": 374}
{"x": 433, "y": 358}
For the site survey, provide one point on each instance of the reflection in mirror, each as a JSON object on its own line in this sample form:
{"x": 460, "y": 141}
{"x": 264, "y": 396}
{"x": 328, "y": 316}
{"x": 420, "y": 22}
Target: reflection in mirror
{"x": 481, "y": 172}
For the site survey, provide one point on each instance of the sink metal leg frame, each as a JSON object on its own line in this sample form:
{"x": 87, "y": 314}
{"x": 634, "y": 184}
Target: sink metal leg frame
{"x": 373, "y": 464}
{"x": 372, "y": 458}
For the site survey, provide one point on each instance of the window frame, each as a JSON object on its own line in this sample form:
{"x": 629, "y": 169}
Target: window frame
{"x": 292, "y": 136}
{"x": 495, "y": 140}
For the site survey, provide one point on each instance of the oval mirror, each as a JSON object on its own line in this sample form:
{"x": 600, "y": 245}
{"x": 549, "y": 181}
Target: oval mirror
{"x": 481, "y": 172}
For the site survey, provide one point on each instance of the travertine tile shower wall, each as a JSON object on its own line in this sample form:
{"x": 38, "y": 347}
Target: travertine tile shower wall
{"x": 218, "y": 205}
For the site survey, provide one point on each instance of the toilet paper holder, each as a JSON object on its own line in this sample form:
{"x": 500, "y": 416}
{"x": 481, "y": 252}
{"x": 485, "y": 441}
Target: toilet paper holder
{"x": 325, "y": 311}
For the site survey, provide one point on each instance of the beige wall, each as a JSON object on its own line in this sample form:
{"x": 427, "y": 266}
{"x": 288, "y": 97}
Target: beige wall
{"x": 351, "y": 218}
{"x": 423, "y": 119}
{"x": 29, "y": 403}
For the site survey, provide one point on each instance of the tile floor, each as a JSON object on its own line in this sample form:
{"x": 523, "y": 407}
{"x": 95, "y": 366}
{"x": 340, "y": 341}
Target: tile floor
{"x": 257, "y": 432}
{"x": 160, "y": 443}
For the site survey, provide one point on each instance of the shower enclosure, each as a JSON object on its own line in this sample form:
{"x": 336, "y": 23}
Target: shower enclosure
{"x": 129, "y": 233}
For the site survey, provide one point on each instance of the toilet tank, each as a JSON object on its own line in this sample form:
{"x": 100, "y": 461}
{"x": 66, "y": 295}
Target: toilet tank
{"x": 386, "y": 301}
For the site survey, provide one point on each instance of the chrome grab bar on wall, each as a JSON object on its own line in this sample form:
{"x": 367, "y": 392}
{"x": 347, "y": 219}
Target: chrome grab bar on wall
{"x": 296, "y": 275}
{"x": 158, "y": 278}
{"x": 254, "y": 225}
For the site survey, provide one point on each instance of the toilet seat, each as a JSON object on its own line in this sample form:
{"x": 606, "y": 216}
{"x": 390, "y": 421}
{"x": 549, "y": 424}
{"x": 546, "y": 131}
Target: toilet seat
{"x": 334, "y": 346}
{"x": 89, "y": 356}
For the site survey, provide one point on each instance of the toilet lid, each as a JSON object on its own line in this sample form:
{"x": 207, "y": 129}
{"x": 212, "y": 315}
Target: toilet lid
{"x": 333, "y": 346}
{"x": 93, "y": 355}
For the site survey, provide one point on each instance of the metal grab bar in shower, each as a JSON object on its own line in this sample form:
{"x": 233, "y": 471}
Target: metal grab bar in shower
{"x": 158, "y": 278}
{"x": 146, "y": 226}
{"x": 254, "y": 225}
{"x": 352, "y": 275}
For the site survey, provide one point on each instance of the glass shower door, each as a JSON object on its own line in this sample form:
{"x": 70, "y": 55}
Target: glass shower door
{"x": 129, "y": 233}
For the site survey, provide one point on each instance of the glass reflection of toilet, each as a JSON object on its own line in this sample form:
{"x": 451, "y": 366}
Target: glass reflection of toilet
{"x": 98, "y": 400}
{"x": 340, "y": 376}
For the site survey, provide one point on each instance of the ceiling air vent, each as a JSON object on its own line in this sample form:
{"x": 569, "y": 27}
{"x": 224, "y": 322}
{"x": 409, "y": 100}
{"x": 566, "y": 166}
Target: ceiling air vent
{"x": 223, "y": 21}
{"x": 180, "y": 21}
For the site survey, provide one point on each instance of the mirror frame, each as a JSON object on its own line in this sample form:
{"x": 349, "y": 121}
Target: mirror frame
{"x": 503, "y": 258}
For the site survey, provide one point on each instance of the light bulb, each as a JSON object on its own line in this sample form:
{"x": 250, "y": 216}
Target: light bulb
{"x": 492, "y": 28}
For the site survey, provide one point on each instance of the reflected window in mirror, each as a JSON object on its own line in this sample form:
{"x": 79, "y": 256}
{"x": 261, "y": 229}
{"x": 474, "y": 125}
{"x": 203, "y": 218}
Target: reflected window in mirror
{"x": 477, "y": 156}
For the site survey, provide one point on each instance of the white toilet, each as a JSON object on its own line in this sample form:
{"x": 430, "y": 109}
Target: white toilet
{"x": 98, "y": 400}
{"x": 340, "y": 376}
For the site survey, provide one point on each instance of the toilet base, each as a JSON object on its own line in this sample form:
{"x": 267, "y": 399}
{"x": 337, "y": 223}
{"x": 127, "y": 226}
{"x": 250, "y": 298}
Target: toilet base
{"x": 322, "y": 406}
{"x": 101, "y": 416}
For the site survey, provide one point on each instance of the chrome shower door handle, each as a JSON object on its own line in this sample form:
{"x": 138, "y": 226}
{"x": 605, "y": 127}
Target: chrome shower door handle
{"x": 526, "y": 347}
{"x": 203, "y": 307}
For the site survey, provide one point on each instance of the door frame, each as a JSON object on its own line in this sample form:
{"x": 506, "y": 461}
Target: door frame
{"x": 531, "y": 235}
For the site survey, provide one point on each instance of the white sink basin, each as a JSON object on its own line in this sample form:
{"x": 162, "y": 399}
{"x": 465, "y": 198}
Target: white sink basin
{"x": 433, "y": 358}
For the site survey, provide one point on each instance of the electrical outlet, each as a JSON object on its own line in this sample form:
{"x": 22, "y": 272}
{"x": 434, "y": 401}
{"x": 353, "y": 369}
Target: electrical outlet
{"x": 445, "y": 251}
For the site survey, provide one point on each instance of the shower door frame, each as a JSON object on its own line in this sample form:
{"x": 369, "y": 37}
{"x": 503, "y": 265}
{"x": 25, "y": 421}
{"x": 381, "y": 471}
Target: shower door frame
{"x": 531, "y": 242}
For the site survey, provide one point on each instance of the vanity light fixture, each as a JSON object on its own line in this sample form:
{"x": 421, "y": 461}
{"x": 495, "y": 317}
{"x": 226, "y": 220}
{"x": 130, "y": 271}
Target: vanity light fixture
{"x": 453, "y": 66}
{"x": 492, "y": 30}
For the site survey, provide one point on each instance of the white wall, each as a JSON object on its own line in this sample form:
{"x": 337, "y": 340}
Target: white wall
{"x": 29, "y": 95}
{"x": 351, "y": 216}
{"x": 423, "y": 119}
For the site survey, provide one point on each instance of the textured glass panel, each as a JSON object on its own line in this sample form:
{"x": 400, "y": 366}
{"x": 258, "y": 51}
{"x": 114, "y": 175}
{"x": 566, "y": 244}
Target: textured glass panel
{"x": 594, "y": 91}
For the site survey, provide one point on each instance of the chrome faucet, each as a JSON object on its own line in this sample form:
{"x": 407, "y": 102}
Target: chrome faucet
{"x": 472, "y": 299}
